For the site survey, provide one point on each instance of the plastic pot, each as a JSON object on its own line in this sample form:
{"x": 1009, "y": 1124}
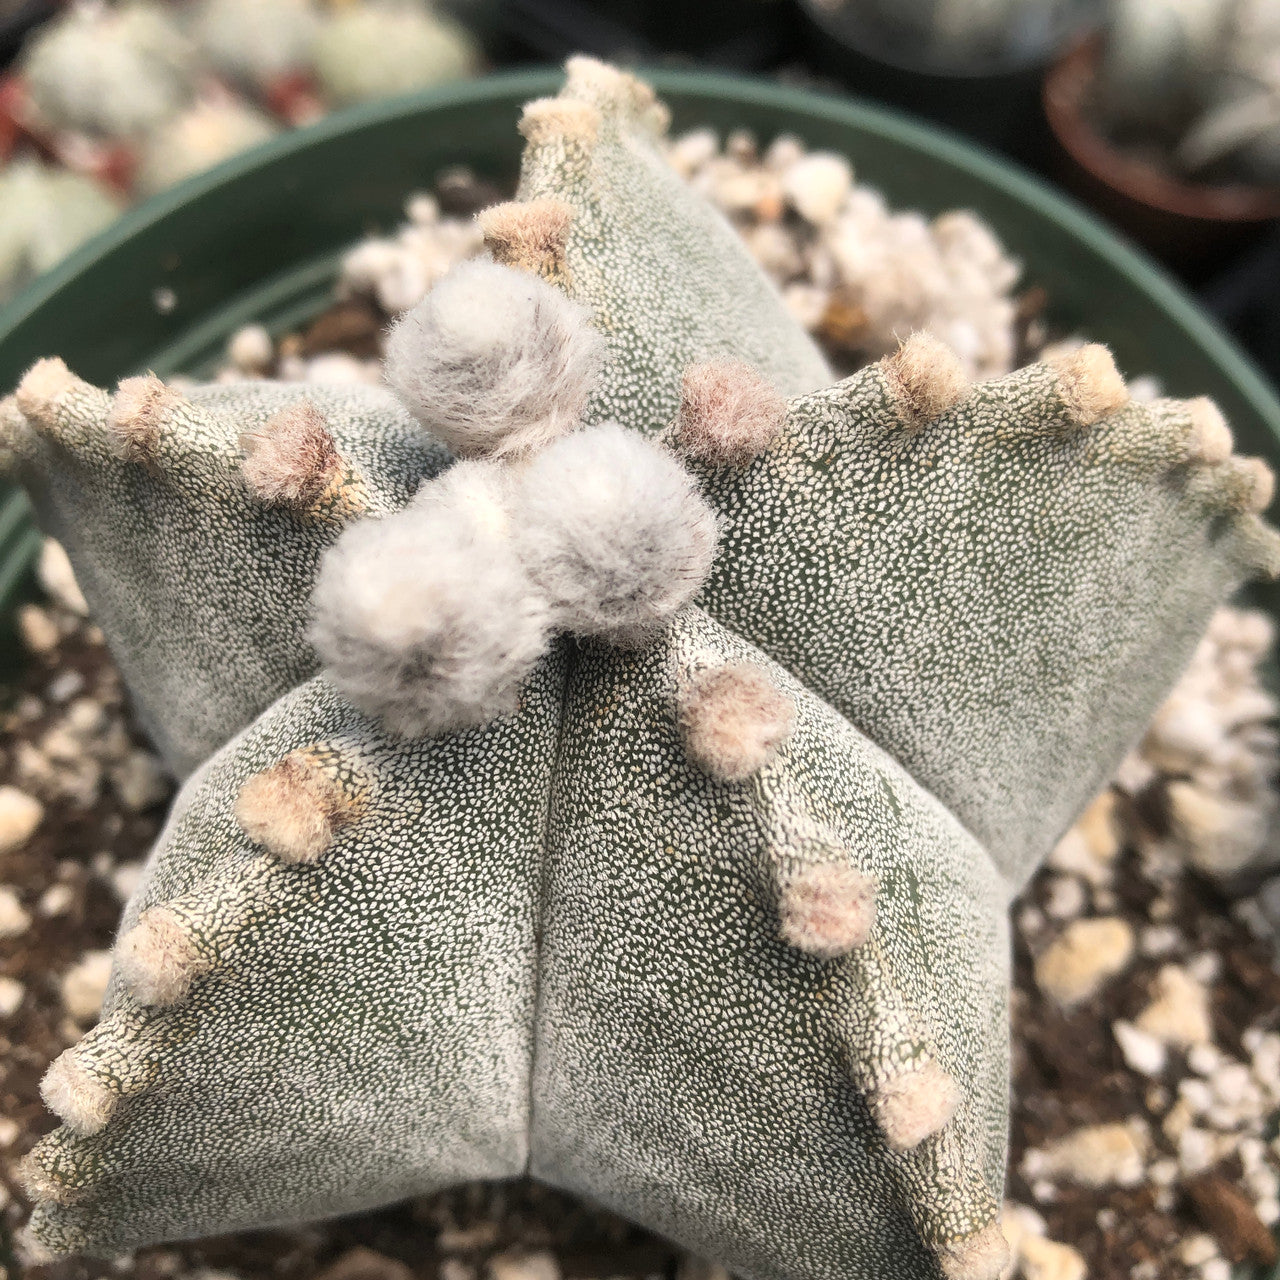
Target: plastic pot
{"x": 1191, "y": 225}
{"x": 258, "y": 238}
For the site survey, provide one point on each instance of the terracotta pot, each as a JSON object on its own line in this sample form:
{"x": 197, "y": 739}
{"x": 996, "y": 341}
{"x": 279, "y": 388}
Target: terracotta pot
{"x": 1189, "y": 225}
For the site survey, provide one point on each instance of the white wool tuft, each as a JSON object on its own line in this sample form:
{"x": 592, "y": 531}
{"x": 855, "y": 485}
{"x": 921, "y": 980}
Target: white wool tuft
{"x": 733, "y": 719}
{"x": 914, "y": 1105}
{"x": 494, "y": 360}
{"x": 614, "y": 531}
{"x": 728, "y": 413}
{"x": 294, "y": 808}
{"x": 983, "y": 1256}
{"x": 158, "y": 958}
{"x": 427, "y": 618}
{"x": 80, "y": 1101}
{"x": 827, "y": 909}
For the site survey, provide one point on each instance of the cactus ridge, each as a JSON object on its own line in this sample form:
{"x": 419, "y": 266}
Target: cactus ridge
{"x": 654, "y": 840}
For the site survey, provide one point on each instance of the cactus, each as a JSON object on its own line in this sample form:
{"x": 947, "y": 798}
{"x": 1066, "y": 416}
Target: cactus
{"x": 646, "y": 814}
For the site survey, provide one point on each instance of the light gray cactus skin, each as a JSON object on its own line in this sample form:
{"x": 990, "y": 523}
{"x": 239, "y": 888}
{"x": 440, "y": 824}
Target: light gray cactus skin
{"x": 200, "y": 587}
{"x": 567, "y": 942}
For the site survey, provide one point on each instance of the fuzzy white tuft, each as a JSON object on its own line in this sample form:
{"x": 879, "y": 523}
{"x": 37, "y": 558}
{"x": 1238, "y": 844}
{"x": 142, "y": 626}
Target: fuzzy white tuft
{"x": 494, "y": 360}
{"x": 1211, "y": 439}
{"x": 614, "y": 531}
{"x": 294, "y": 808}
{"x": 983, "y": 1256}
{"x": 40, "y": 1184}
{"x": 427, "y": 618}
{"x": 549, "y": 120}
{"x": 530, "y": 234}
{"x": 158, "y": 958}
{"x": 916, "y": 1104}
{"x": 1089, "y": 383}
{"x": 827, "y": 909}
{"x": 733, "y": 720}
{"x": 925, "y": 378}
{"x": 79, "y": 1100}
{"x": 291, "y": 460}
{"x": 40, "y": 388}
{"x": 728, "y": 413}
{"x": 1258, "y": 484}
{"x": 137, "y": 414}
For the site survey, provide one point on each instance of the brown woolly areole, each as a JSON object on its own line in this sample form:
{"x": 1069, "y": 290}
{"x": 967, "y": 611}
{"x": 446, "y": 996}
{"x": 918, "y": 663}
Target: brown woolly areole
{"x": 925, "y": 378}
{"x": 158, "y": 958}
{"x": 137, "y": 413}
{"x": 1089, "y": 383}
{"x": 827, "y": 909}
{"x": 983, "y": 1256}
{"x": 915, "y": 1104}
{"x": 1211, "y": 439}
{"x": 1257, "y": 484}
{"x": 547, "y": 120}
{"x": 530, "y": 235}
{"x": 41, "y": 387}
{"x": 728, "y": 413}
{"x": 75, "y": 1096}
{"x": 291, "y": 460}
{"x": 295, "y": 808}
{"x": 610, "y": 87}
{"x": 733, "y": 720}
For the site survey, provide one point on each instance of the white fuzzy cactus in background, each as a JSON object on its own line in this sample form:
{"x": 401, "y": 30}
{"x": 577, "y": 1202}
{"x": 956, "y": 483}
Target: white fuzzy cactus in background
{"x": 646, "y": 814}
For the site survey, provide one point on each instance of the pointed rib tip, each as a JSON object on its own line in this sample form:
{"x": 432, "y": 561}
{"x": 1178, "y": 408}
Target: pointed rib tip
{"x": 1089, "y": 383}
{"x": 42, "y": 386}
{"x": 80, "y": 1101}
{"x": 734, "y": 719}
{"x": 827, "y": 910}
{"x": 292, "y": 459}
{"x": 136, "y": 418}
{"x": 39, "y": 1184}
{"x": 529, "y": 234}
{"x": 295, "y": 808}
{"x": 916, "y": 1104}
{"x": 925, "y": 378}
{"x": 1259, "y": 547}
{"x": 728, "y": 414}
{"x": 559, "y": 120}
{"x": 607, "y": 86}
{"x": 158, "y": 958}
{"x": 1211, "y": 440}
{"x": 982, "y": 1256}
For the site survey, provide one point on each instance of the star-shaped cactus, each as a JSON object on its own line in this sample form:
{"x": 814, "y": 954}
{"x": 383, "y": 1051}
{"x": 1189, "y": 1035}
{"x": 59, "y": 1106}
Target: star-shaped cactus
{"x": 642, "y": 807}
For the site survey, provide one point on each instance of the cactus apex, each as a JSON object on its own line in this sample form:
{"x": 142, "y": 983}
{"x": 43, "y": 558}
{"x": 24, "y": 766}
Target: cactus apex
{"x": 827, "y": 909}
{"x": 46, "y": 382}
{"x": 76, "y": 1095}
{"x": 295, "y": 808}
{"x": 612, "y": 89}
{"x": 982, "y": 1256}
{"x": 529, "y": 234}
{"x": 915, "y": 1104}
{"x": 728, "y": 413}
{"x": 924, "y": 377}
{"x": 551, "y": 120}
{"x": 1089, "y": 383}
{"x": 733, "y": 720}
{"x": 1211, "y": 439}
{"x": 137, "y": 413}
{"x": 159, "y": 958}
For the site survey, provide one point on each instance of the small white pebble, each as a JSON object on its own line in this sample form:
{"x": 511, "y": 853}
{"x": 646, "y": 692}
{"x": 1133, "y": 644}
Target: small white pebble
{"x": 1204, "y": 1059}
{"x": 1066, "y": 898}
{"x": 1083, "y": 958}
{"x": 1143, "y": 1053}
{"x": 14, "y": 919}
{"x": 1196, "y": 1250}
{"x": 251, "y": 348}
{"x": 85, "y": 984}
{"x": 1269, "y": 1210}
{"x": 519, "y": 1265}
{"x": 818, "y": 186}
{"x": 1217, "y": 1269}
{"x": 1159, "y": 940}
{"x": 56, "y": 900}
{"x": 20, "y": 815}
{"x": 58, "y": 578}
{"x": 126, "y": 878}
{"x": 12, "y": 994}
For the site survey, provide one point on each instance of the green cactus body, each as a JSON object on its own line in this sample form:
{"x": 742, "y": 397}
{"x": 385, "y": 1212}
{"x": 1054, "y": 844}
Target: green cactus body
{"x": 702, "y": 914}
